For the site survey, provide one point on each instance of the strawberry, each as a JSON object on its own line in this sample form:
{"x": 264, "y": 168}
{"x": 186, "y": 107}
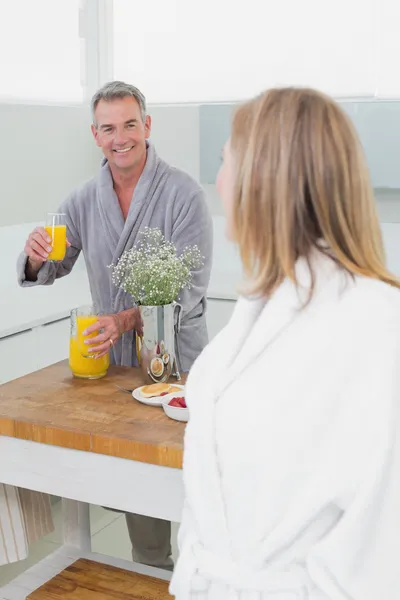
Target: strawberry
{"x": 175, "y": 403}
{"x": 178, "y": 402}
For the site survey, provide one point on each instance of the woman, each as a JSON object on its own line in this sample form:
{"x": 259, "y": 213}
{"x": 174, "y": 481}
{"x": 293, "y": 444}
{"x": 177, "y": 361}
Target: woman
{"x": 292, "y": 459}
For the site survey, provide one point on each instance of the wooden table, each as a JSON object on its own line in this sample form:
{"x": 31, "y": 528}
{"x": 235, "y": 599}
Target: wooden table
{"x": 89, "y": 443}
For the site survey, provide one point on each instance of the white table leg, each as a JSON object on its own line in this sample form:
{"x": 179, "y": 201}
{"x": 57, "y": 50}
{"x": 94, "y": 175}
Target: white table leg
{"x": 76, "y": 524}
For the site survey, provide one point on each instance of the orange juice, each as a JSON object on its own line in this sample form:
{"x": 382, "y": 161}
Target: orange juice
{"x": 86, "y": 368}
{"x": 58, "y": 234}
{"x": 82, "y": 323}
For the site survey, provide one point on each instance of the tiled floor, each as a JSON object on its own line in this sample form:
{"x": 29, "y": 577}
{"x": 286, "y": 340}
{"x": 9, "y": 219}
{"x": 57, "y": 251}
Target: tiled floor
{"x": 109, "y": 536}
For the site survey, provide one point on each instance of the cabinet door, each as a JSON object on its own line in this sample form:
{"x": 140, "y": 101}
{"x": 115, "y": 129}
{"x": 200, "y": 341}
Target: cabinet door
{"x": 218, "y": 314}
{"x": 53, "y": 342}
{"x": 18, "y": 355}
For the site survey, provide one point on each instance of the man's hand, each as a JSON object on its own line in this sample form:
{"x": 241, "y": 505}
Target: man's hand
{"x": 37, "y": 248}
{"x": 112, "y": 326}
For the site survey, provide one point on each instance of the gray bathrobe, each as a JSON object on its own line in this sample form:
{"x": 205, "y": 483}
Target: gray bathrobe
{"x": 164, "y": 197}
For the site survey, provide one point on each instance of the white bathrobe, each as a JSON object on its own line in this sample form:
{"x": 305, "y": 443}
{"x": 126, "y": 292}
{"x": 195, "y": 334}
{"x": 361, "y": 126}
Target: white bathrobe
{"x": 292, "y": 451}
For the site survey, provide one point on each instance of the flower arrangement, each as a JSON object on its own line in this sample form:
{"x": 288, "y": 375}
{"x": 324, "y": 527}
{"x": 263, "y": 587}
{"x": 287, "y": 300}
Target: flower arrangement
{"x": 152, "y": 272}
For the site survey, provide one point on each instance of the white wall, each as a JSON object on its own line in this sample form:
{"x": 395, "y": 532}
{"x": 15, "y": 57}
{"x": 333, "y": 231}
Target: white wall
{"x": 204, "y": 50}
{"x": 175, "y": 133}
{"x": 388, "y": 204}
{"x": 45, "y": 152}
{"x": 346, "y": 48}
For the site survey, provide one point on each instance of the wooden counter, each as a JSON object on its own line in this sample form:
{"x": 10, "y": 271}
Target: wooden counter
{"x": 52, "y": 407}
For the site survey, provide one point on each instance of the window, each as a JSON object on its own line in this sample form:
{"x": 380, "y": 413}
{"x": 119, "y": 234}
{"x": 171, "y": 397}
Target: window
{"x": 145, "y": 43}
{"x": 40, "y": 51}
{"x": 227, "y": 50}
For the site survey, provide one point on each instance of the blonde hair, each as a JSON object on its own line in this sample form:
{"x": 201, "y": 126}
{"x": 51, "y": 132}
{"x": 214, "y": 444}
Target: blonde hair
{"x": 301, "y": 177}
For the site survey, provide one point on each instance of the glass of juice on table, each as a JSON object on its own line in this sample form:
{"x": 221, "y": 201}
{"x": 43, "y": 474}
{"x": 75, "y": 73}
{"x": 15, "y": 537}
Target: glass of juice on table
{"x": 57, "y": 229}
{"x": 82, "y": 362}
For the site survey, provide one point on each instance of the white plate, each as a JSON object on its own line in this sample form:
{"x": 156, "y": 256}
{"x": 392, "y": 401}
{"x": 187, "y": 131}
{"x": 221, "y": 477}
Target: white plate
{"x": 156, "y": 401}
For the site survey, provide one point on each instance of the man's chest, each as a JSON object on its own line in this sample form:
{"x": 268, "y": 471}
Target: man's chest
{"x": 124, "y": 198}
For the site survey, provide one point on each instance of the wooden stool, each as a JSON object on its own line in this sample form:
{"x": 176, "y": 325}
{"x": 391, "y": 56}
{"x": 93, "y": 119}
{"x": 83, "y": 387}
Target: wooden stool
{"x": 89, "y": 580}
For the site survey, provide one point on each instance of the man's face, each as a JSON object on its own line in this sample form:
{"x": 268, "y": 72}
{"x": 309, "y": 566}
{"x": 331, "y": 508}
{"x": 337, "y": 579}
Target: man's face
{"x": 120, "y": 132}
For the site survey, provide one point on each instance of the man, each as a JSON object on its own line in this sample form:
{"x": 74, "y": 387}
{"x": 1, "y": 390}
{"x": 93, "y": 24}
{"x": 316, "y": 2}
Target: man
{"x": 133, "y": 189}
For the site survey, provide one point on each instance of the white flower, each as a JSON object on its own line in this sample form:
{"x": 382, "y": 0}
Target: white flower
{"x": 152, "y": 272}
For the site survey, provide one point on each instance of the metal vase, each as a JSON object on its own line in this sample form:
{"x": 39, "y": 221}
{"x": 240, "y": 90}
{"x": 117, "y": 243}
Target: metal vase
{"x": 156, "y": 348}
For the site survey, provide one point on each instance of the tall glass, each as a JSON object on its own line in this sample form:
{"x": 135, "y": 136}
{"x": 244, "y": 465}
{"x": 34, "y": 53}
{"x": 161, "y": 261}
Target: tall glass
{"x": 82, "y": 362}
{"x": 57, "y": 229}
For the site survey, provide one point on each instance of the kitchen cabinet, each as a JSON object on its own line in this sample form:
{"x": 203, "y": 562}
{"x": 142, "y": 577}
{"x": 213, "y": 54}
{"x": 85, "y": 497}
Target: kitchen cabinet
{"x": 53, "y": 342}
{"x": 33, "y": 349}
{"x": 18, "y": 355}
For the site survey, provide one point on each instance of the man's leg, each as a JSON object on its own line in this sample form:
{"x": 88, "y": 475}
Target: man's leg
{"x": 151, "y": 541}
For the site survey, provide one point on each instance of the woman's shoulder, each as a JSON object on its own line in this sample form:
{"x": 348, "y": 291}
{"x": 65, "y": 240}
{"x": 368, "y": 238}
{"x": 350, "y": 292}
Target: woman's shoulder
{"x": 371, "y": 307}
{"x": 379, "y": 297}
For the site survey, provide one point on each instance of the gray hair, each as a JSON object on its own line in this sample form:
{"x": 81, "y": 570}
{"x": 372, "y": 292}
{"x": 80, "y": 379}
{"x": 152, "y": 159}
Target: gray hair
{"x": 118, "y": 89}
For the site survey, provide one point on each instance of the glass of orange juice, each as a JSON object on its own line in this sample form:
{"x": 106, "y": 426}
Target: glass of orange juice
{"x": 57, "y": 229}
{"x": 82, "y": 363}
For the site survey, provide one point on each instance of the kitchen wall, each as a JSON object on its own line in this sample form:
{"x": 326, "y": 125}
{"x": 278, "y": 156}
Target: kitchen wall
{"x": 377, "y": 123}
{"x": 45, "y": 151}
{"x": 48, "y": 150}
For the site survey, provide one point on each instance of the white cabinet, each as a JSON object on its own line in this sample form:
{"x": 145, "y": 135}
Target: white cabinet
{"x": 33, "y": 349}
{"x": 18, "y": 355}
{"x": 218, "y": 314}
{"x": 53, "y": 342}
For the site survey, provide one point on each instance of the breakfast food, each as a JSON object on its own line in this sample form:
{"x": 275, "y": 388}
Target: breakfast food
{"x": 159, "y": 389}
{"x": 178, "y": 402}
{"x": 173, "y": 389}
{"x": 154, "y": 390}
